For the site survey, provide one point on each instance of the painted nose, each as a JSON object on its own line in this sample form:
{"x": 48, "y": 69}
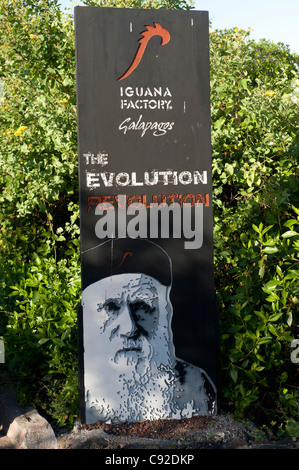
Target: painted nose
{"x": 127, "y": 325}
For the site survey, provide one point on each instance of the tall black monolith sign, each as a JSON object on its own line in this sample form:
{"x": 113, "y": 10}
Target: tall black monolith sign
{"x": 148, "y": 323}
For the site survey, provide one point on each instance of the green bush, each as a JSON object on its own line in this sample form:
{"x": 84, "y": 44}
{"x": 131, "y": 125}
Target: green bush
{"x": 254, "y": 106}
{"x": 254, "y": 95}
{"x": 39, "y": 246}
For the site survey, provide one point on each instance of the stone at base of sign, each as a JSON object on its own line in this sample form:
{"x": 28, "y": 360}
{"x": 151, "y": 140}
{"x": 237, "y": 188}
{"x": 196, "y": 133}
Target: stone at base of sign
{"x": 23, "y": 425}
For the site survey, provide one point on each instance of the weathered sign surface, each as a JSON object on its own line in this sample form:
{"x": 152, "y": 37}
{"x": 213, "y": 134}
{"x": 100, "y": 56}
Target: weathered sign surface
{"x": 148, "y": 322}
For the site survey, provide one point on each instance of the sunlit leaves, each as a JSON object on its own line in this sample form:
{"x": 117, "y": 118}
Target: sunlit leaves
{"x": 255, "y": 171}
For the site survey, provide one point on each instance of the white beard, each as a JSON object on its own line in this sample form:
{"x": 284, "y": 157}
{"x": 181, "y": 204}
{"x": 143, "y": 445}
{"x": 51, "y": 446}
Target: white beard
{"x": 135, "y": 395}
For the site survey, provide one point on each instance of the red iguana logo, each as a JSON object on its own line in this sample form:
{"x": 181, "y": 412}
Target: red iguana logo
{"x": 150, "y": 31}
{"x": 126, "y": 253}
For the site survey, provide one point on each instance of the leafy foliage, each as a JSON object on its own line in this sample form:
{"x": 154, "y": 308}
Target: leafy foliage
{"x": 254, "y": 105}
{"x": 255, "y": 162}
{"x": 39, "y": 273}
{"x": 153, "y": 4}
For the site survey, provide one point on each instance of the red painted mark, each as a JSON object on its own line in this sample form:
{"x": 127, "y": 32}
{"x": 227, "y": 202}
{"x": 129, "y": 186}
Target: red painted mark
{"x": 150, "y": 31}
{"x": 126, "y": 253}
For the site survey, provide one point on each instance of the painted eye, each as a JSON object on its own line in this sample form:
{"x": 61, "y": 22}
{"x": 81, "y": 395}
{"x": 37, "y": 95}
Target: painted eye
{"x": 110, "y": 306}
{"x": 141, "y": 307}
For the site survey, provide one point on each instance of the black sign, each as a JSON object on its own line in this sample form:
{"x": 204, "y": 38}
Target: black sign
{"x": 148, "y": 322}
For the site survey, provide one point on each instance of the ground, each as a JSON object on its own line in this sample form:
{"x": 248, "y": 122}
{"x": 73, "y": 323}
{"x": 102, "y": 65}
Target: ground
{"x": 208, "y": 432}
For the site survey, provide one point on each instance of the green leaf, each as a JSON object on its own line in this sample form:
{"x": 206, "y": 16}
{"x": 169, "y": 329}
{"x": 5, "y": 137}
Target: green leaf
{"x": 266, "y": 229}
{"x": 58, "y": 342}
{"x": 292, "y": 274}
{"x": 262, "y": 271}
{"x": 284, "y": 376}
{"x": 247, "y": 317}
{"x": 265, "y": 340}
{"x": 289, "y": 233}
{"x": 243, "y": 83}
{"x": 230, "y": 169}
{"x": 290, "y": 318}
{"x": 275, "y": 316}
{"x": 271, "y": 285}
{"x": 219, "y": 123}
{"x": 290, "y": 223}
{"x": 255, "y": 228}
{"x": 36, "y": 258}
{"x": 270, "y": 249}
{"x": 279, "y": 271}
{"x": 234, "y": 374}
{"x": 270, "y": 242}
{"x": 272, "y": 329}
{"x": 35, "y": 297}
{"x": 42, "y": 341}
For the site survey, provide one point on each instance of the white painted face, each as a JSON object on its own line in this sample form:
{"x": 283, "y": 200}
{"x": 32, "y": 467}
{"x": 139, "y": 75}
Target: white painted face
{"x": 129, "y": 357}
{"x": 127, "y": 320}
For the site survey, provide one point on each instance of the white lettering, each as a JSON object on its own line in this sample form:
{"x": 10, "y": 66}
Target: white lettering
{"x": 185, "y": 177}
{"x": 200, "y": 178}
{"x": 140, "y": 91}
{"x": 150, "y": 178}
{"x": 92, "y": 180}
{"x": 155, "y": 178}
{"x": 122, "y": 179}
{"x": 109, "y": 181}
{"x": 158, "y": 128}
{"x": 134, "y": 182}
{"x": 123, "y": 460}
{"x": 165, "y": 175}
